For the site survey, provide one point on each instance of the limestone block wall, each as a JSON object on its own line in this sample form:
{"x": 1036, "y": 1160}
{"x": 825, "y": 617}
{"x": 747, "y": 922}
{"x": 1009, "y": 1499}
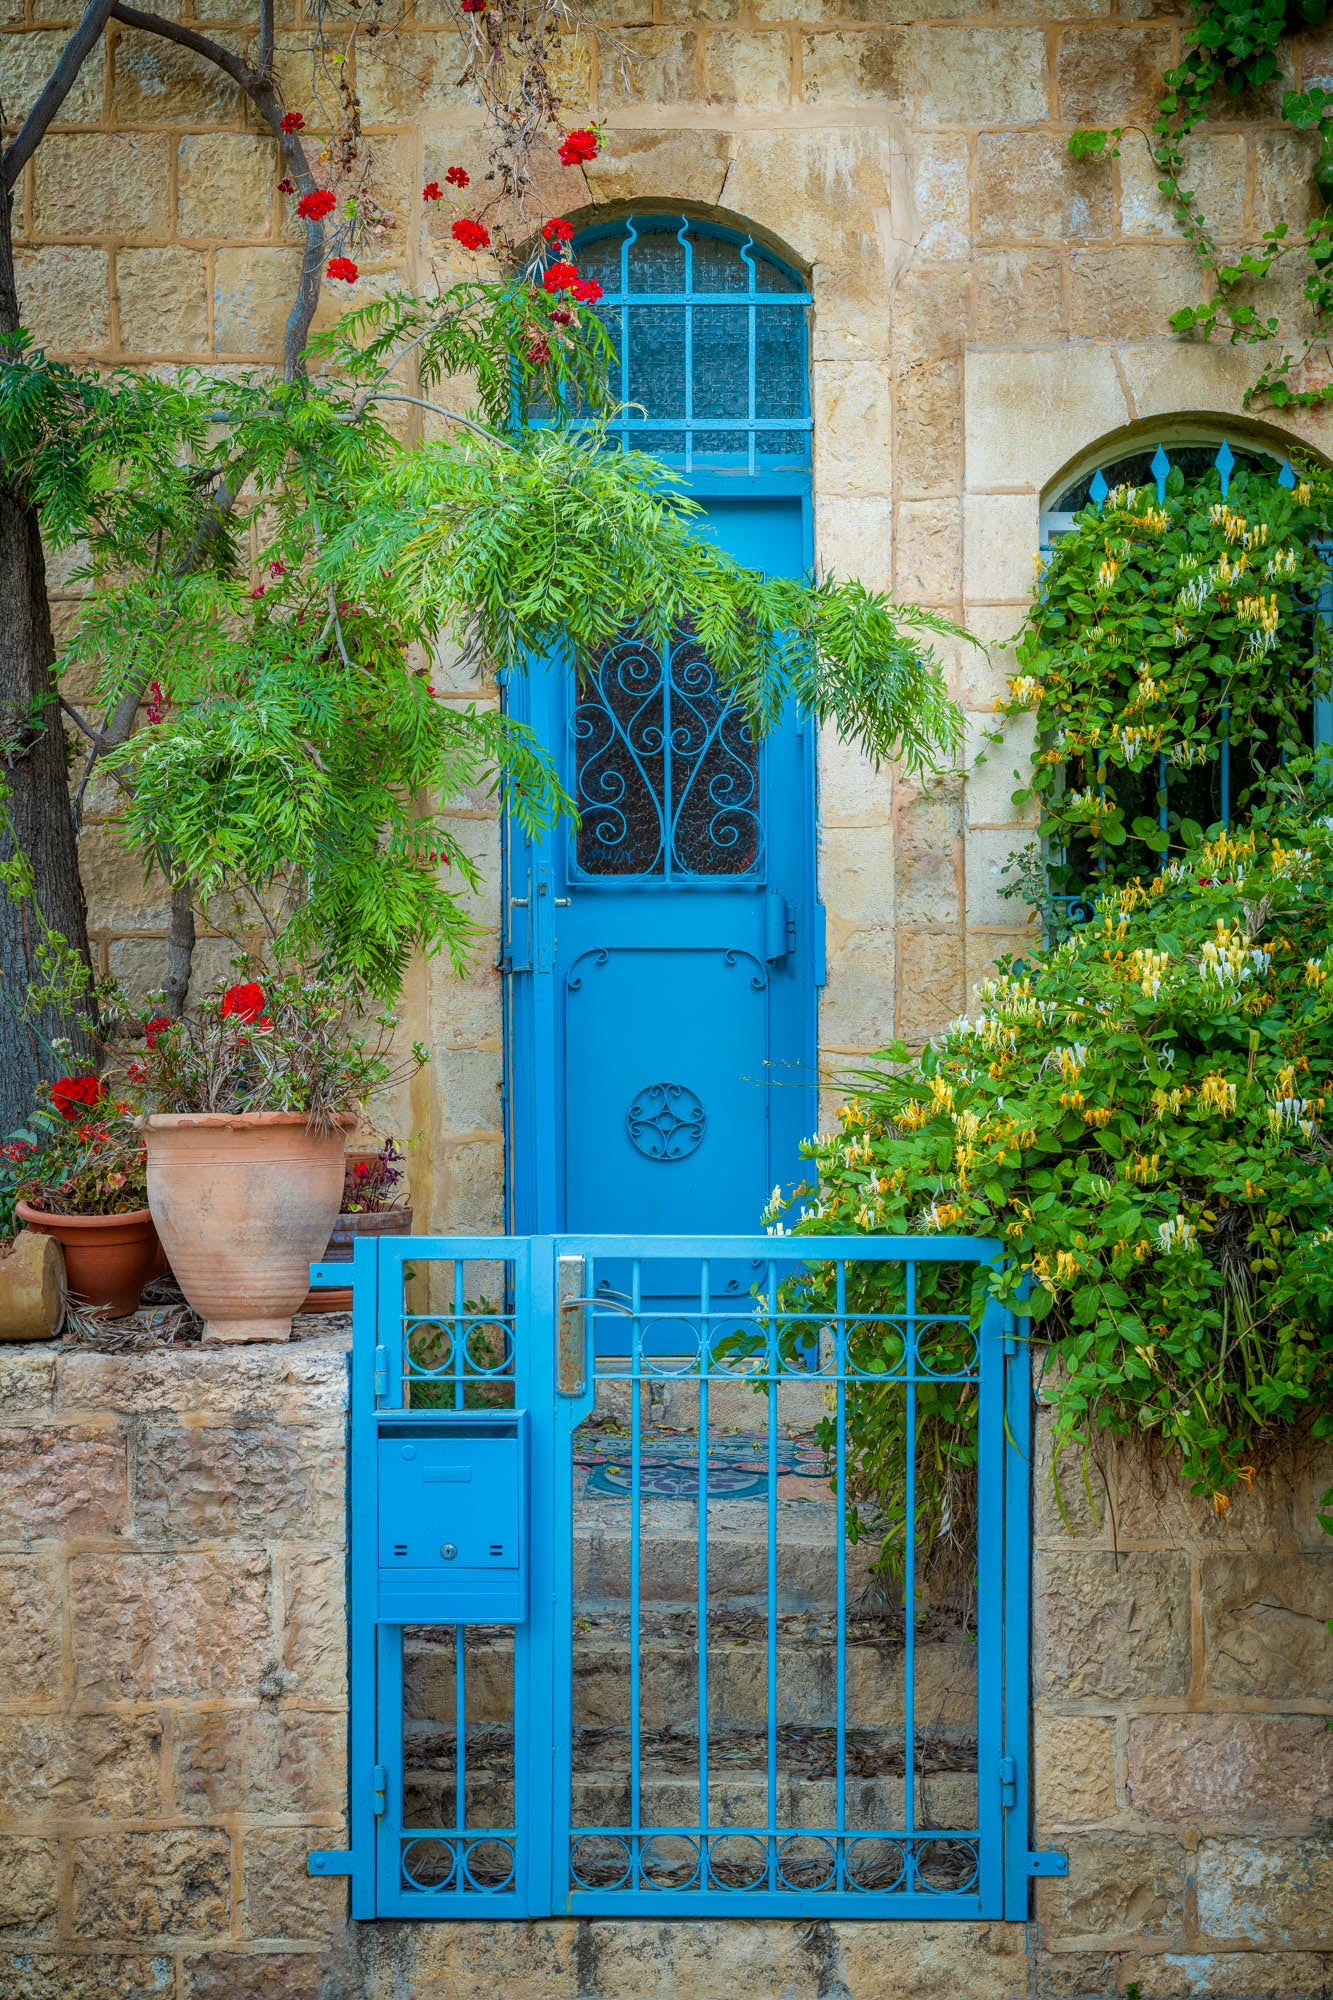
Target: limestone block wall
{"x": 985, "y": 311}
{"x": 172, "y": 1732}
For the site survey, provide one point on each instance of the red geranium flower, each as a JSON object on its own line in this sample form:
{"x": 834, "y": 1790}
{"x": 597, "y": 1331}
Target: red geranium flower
{"x": 293, "y": 121}
{"x": 458, "y": 177}
{"x": 472, "y": 235}
{"x": 70, "y": 1094}
{"x": 344, "y": 268}
{"x": 557, "y": 230}
{"x": 560, "y": 277}
{"x": 157, "y": 1026}
{"x": 578, "y": 146}
{"x": 314, "y": 207}
{"x": 432, "y": 191}
{"x": 245, "y": 1002}
{"x": 586, "y": 290}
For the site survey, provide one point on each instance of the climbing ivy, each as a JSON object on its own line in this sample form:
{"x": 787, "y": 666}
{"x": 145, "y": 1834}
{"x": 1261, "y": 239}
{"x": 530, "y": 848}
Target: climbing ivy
{"x": 1233, "y": 47}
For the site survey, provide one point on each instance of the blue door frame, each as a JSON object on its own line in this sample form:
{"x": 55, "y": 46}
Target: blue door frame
{"x": 425, "y": 1432}
{"x": 559, "y": 923}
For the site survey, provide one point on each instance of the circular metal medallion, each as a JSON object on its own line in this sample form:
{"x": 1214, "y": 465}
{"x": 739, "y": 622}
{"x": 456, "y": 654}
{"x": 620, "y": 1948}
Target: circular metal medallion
{"x": 666, "y": 1121}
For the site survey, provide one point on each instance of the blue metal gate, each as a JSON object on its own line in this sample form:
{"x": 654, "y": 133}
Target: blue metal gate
{"x": 616, "y": 1647}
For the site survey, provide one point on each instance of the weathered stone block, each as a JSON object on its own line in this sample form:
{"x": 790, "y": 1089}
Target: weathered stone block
{"x": 857, "y": 1008}
{"x": 1266, "y": 1892}
{"x": 1129, "y": 1886}
{"x": 314, "y": 1641}
{"x": 27, "y": 1379}
{"x": 156, "y": 83}
{"x": 304, "y": 1382}
{"x": 1231, "y": 1769}
{"x": 1074, "y": 1776}
{"x": 1232, "y": 1975}
{"x": 659, "y": 66}
{"x": 1284, "y": 187}
{"x": 138, "y": 965}
{"x": 163, "y": 298}
{"x": 154, "y": 1886}
{"x": 1265, "y": 1625}
{"x": 927, "y": 856}
{"x": 68, "y": 1975}
{"x": 1127, "y": 291}
{"x": 855, "y": 870}
{"x": 63, "y": 291}
{"x": 170, "y": 1625}
{"x": 1028, "y": 186}
{"x": 119, "y": 898}
{"x": 693, "y": 164}
{"x": 29, "y": 1887}
{"x": 979, "y": 76}
{"x": 252, "y": 296}
{"x": 224, "y": 186}
{"x": 1215, "y": 170}
{"x": 1000, "y": 536}
{"x": 989, "y": 853}
{"x": 941, "y": 197}
{"x": 64, "y": 1479}
{"x": 930, "y": 983}
{"x": 100, "y": 183}
{"x": 30, "y": 1627}
{"x": 854, "y": 67}
{"x": 1018, "y": 296}
{"x": 929, "y": 431}
{"x": 265, "y": 1481}
{"x": 747, "y": 70}
{"x": 927, "y": 551}
{"x": 79, "y": 1766}
{"x": 29, "y": 60}
{"x": 276, "y": 1975}
{"x": 1078, "y": 393}
{"x": 260, "y": 1761}
{"x": 282, "y": 1898}
{"x": 1112, "y": 75}
{"x": 854, "y": 537}
{"x": 1111, "y": 1627}
{"x": 930, "y": 1961}
{"x": 853, "y": 427}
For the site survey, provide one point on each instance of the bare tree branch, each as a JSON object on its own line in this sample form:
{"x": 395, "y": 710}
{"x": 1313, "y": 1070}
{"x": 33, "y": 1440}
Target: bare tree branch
{"x": 54, "y": 92}
{"x": 265, "y": 60}
{"x": 180, "y": 950}
{"x": 452, "y": 416}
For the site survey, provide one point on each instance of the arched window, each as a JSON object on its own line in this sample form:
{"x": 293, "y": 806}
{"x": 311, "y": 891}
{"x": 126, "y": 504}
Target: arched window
{"x": 711, "y": 343}
{"x": 1191, "y": 450}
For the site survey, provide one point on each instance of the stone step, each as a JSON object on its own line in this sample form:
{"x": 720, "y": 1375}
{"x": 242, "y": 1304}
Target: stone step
{"x": 737, "y": 1407}
{"x": 736, "y": 1552}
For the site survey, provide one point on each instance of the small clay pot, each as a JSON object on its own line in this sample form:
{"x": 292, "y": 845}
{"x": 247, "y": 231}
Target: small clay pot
{"x": 350, "y": 1225}
{"x": 108, "y": 1258}
{"x": 244, "y": 1203}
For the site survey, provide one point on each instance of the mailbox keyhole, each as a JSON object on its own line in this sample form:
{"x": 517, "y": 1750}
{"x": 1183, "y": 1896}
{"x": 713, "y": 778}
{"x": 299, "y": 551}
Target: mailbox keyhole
{"x": 448, "y": 1550}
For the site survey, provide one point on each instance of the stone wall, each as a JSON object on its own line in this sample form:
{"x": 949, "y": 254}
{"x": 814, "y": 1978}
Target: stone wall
{"x": 172, "y": 1729}
{"x": 985, "y": 311}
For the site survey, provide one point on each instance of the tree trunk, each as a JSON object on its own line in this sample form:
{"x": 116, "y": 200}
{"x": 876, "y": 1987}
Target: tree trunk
{"x": 36, "y": 817}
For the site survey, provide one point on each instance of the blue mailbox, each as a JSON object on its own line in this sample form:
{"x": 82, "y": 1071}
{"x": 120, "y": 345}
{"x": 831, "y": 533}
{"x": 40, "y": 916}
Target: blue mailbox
{"x": 453, "y": 1520}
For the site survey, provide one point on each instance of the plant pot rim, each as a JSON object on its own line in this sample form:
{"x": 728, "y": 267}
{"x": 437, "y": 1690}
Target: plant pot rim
{"x": 222, "y": 1121}
{"x": 47, "y": 1219}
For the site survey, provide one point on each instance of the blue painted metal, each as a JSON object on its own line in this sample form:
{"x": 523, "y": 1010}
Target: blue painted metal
{"x": 432, "y": 1378}
{"x": 674, "y": 942}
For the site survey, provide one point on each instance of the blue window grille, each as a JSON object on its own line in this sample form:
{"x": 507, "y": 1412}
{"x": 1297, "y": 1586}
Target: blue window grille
{"x": 711, "y": 338}
{"x": 1210, "y": 794}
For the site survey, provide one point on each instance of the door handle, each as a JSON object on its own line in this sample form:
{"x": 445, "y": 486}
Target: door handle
{"x": 779, "y": 926}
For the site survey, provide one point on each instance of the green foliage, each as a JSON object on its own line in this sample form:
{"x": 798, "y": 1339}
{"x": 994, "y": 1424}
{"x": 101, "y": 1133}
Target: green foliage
{"x": 1161, "y": 631}
{"x": 1139, "y": 1117}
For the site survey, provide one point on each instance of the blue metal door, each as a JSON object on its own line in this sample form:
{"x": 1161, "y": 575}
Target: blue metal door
{"x": 615, "y": 1649}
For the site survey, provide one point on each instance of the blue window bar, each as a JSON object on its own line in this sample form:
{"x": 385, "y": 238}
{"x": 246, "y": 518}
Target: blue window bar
{"x": 1212, "y": 792}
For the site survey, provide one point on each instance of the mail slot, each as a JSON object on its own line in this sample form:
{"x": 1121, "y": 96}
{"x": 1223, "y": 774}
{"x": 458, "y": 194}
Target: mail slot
{"x": 453, "y": 1520}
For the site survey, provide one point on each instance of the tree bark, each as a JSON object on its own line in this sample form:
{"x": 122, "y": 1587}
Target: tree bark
{"x": 36, "y": 818}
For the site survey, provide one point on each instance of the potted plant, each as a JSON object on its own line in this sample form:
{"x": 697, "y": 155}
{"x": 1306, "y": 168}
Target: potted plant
{"x": 82, "y": 1181}
{"x": 373, "y": 1204}
{"x": 247, "y": 1105}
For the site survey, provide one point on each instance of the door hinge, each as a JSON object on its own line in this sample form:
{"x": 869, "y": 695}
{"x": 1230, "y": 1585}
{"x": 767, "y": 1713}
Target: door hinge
{"x": 379, "y": 1788}
{"x": 381, "y": 1372}
{"x": 1008, "y": 1782}
{"x": 820, "y": 947}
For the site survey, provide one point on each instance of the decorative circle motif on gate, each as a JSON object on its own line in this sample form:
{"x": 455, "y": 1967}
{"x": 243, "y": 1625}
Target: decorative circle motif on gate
{"x": 666, "y": 1121}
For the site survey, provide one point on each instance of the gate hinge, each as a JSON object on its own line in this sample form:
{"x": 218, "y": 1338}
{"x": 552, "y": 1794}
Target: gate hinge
{"x": 1048, "y": 1861}
{"x": 381, "y": 1372}
{"x": 330, "y": 1861}
{"x": 379, "y": 1787}
{"x": 1008, "y": 1782}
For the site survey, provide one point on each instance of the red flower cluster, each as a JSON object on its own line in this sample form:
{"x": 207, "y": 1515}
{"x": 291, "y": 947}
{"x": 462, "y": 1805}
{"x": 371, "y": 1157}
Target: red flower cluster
{"x": 314, "y": 207}
{"x": 538, "y": 354}
{"x": 16, "y": 1150}
{"x": 557, "y": 230}
{"x": 70, "y": 1094}
{"x": 562, "y": 317}
{"x": 472, "y": 235}
{"x": 244, "y": 1002}
{"x": 578, "y": 146}
{"x": 586, "y": 290}
{"x": 432, "y": 191}
{"x": 286, "y": 186}
{"x": 156, "y": 1027}
{"x": 458, "y": 177}
{"x": 293, "y": 121}
{"x": 344, "y": 268}
{"x": 560, "y": 277}
{"x": 473, "y": 6}
{"x": 157, "y": 702}
{"x": 277, "y": 569}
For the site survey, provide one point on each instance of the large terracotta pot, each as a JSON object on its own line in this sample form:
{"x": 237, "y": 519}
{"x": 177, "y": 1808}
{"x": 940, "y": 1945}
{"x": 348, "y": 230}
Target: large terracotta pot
{"x": 342, "y": 1241}
{"x": 108, "y": 1258}
{"x": 243, "y": 1203}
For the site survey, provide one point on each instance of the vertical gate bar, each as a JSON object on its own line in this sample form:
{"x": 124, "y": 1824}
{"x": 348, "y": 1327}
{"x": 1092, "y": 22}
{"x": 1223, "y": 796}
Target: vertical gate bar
{"x": 774, "y": 1381}
{"x": 909, "y": 1569}
{"x": 701, "y": 1611}
{"x": 1016, "y": 1449}
{"x": 840, "y": 1634}
{"x": 363, "y": 1556}
{"x": 389, "y": 1753}
{"x": 542, "y": 1813}
{"x": 460, "y": 1334}
{"x": 992, "y": 1818}
{"x": 460, "y": 1730}
{"x": 1225, "y": 761}
{"x": 635, "y": 1530}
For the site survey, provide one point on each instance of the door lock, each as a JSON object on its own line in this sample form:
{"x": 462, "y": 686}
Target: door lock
{"x": 448, "y": 1550}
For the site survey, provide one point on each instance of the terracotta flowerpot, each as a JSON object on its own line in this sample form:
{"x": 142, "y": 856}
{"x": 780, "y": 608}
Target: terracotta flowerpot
{"x": 346, "y": 1229}
{"x": 244, "y": 1203}
{"x": 108, "y": 1258}
{"x": 32, "y": 1287}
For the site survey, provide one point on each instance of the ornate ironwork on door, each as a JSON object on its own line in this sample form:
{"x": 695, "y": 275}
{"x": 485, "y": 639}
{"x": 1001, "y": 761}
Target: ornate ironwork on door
{"x": 666, "y": 767}
{"x": 617, "y": 1646}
